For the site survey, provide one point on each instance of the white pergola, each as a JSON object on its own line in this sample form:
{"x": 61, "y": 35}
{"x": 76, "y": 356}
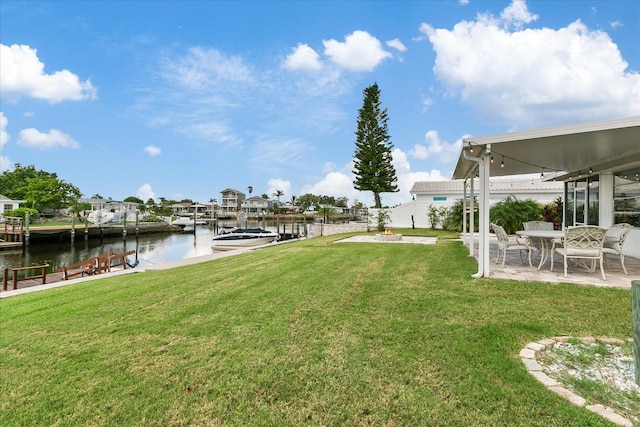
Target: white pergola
{"x": 563, "y": 153}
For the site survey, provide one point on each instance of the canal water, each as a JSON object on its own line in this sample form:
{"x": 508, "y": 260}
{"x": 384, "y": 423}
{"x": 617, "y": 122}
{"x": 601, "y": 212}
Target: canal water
{"x": 150, "y": 248}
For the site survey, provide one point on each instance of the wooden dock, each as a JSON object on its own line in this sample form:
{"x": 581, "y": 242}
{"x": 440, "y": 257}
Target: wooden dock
{"x": 23, "y": 277}
{"x": 12, "y": 234}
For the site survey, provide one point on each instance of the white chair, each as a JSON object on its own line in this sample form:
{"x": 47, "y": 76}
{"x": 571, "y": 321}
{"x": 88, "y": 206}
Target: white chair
{"x": 504, "y": 245}
{"x": 582, "y": 242}
{"x": 538, "y": 225}
{"x": 614, "y": 241}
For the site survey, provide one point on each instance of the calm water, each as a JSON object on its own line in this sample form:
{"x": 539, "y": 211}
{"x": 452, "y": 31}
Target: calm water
{"x": 151, "y": 249}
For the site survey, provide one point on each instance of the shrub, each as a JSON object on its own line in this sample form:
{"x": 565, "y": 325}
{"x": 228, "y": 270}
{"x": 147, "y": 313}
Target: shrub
{"x": 552, "y": 212}
{"x": 511, "y": 213}
{"x": 22, "y": 213}
{"x": 453, "y": 220}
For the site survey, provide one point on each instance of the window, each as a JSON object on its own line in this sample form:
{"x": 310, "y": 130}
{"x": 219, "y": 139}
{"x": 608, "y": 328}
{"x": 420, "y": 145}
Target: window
{"x": 439, "y": 198}
{"x": 582, "y": 201}
{"x": 626, "y": 196}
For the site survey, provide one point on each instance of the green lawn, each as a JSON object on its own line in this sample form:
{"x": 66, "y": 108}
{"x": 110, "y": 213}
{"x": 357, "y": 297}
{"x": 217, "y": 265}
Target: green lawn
{"x": 307, "y": 333}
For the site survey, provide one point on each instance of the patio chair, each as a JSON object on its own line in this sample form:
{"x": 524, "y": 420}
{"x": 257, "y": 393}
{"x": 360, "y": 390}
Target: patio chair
{"x": 534, "y": 243}
{"x": 614, "y": 241}
{"x": 537, "y": 225}
{"x": 504, "y": 245}
{"x": 582, "y": 242}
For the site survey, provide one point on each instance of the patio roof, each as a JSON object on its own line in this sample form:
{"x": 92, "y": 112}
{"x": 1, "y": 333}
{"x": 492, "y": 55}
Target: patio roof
{"x": 572, "y": 149}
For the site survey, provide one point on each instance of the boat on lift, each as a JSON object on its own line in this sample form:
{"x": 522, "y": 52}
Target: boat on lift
{"x": 243, "y": 238}
{"x": 187, "y": 221}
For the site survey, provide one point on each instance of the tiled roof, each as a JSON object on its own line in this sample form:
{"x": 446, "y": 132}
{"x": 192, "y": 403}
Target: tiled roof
{"x": 456, "y": 185}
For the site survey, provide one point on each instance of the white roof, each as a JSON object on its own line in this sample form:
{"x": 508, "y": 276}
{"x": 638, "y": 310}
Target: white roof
{"x": 518, "y": 185}
{"x": 575, "y": 148}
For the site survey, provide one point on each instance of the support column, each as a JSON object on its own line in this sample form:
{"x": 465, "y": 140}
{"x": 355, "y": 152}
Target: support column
{"x": 485, "y": 172}
{"x": 635, "y": 305}
{"x": 472, "y": 219}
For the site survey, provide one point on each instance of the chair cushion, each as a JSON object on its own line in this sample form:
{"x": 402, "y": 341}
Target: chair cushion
{"x": 521, "y": 247}
{"x": 613, "y": 251}
{"x": 577, "y": 252}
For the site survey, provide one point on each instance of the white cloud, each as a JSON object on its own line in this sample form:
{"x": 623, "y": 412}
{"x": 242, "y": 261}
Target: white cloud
{"x": 616, "y": 24}
{"x": 397, "y": 44}
{"x": 23, "y": 75}
{"x": 359, "y": 52}
{"x": 534, "y": 77}
{"x": 4, "y": 136}
{"x": 54, "y": 138}
{"x": 217, "y": 132}
{"x": 277, "y": 184}
{"x": 152, "y": 150}
{"x": 517, "y": 14}
{"x": 5, "y": 164}
{"x": 336, "y": 184}
{"x": 328, "y": 167}
{"x": 145, "y": 192}
{"x": 276, "y": 155}
{"x": 205, "y": 67}
{"x": 303, "y": 58}
{"x": 435, "y": 148}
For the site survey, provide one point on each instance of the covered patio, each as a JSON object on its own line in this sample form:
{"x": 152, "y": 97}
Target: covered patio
{"x": 515, "y": 269}
{"x": 599, "y": 162}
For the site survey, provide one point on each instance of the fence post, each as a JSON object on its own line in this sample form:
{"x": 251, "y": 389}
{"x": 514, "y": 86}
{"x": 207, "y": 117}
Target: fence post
{"x": 635, "y": 306}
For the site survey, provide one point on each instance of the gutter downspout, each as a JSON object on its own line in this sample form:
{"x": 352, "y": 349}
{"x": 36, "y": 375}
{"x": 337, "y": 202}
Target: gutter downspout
{"x": 483, "y": 253}
{"x": 472, "y": 217}
{"x": 464, "y": 214}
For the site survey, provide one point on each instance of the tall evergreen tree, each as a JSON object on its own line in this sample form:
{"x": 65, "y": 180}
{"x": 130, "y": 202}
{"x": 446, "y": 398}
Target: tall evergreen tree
{"x": 373, "y": 165}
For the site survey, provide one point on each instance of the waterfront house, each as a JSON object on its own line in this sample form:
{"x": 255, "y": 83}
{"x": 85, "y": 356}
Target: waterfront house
{"x": 7, "y": 204}
{"x": 256, "y": 205}
{"x": 231, "y": 201}
{"x": 445, "y": 194}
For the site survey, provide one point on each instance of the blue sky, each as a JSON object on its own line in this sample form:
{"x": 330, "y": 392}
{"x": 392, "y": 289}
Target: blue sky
{"x": 181, "y": 99}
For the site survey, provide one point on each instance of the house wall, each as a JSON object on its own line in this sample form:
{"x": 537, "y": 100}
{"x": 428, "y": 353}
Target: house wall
{"x": 8, "y": 205}
{"x": 632, "y": 244}
{"x": 419, "y": 208}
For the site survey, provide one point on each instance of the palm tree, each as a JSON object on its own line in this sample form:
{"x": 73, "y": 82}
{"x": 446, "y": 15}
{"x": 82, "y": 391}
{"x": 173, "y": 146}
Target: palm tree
{"x": 278, "y": 194}
{"x": 250, "y": 189}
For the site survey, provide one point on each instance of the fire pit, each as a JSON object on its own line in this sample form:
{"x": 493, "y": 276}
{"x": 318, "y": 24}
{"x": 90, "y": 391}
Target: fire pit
{"x": 388, "y": 236}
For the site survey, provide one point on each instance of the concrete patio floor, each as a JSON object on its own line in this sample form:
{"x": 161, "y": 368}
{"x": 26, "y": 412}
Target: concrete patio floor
{"x": 514, "y": 269}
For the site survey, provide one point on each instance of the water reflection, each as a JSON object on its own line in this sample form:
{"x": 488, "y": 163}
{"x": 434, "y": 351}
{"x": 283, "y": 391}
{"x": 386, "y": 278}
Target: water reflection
{"x": 151, "y": 249}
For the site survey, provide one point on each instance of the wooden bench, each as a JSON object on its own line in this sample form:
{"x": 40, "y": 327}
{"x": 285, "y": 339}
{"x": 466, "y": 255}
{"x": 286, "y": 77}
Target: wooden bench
{"x": 96, "y": 265}
{"x": 15, "y": 272}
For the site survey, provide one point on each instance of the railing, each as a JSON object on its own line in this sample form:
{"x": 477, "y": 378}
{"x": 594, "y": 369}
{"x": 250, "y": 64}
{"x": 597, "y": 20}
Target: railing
{"x": 15, "y": 272}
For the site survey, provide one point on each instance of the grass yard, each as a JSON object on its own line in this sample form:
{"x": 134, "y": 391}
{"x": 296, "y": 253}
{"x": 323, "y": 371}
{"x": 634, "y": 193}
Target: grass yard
{"x": 307, "y": 333}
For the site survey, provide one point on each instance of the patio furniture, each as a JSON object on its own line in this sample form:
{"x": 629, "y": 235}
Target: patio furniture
{"x": 536, "y": 242}
{"x": 537, "y": 225}
{"x": 545, "y": 239}
{"x": 582, "y": 242}
{"x": 504, "y": 244}
{"x": 614, "y": 241}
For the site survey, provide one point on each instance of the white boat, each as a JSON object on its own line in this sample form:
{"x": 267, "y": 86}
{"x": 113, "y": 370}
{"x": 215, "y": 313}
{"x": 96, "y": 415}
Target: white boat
{"x": 184, "y": 221}
{"x": 100, "y": 216}
{"x": 243, "y": 238}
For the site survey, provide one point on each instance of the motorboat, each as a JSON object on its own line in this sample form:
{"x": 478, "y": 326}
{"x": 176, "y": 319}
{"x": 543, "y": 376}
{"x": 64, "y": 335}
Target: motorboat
{"x": 100, "y": 217}
{"x": 186, "y": 221}
{"x": 243, "y": 238}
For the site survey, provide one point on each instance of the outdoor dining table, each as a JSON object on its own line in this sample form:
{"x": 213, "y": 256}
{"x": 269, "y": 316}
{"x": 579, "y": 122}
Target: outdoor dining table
{"x": 546, "y": 238}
